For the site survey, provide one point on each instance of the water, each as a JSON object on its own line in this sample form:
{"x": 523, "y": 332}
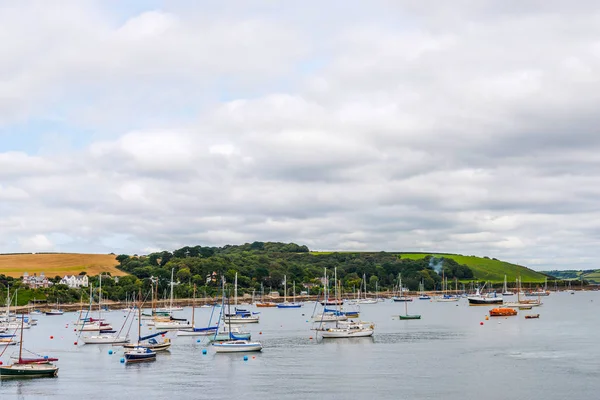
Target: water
{"x": 447, "y": 354}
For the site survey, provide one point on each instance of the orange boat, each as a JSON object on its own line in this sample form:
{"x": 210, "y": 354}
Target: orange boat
{"x": 266, "y": 304}
{"x": 502, "y": 312}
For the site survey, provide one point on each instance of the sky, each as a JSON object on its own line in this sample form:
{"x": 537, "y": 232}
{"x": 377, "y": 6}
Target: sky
{"x": 469, "y": 127}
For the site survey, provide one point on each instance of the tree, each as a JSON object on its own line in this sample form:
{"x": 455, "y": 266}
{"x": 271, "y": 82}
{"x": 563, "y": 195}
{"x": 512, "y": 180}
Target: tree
{"x": 121, "y": 258}
{"x": 184, "y": 275}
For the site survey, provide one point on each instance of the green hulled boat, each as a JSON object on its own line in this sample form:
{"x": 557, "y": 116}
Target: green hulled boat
{"x": 406, "y": 314}
{"x": 410, "y": 316}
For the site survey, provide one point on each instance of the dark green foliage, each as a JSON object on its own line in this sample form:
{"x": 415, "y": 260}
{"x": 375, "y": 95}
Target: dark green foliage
{"x": 266, "y": 263}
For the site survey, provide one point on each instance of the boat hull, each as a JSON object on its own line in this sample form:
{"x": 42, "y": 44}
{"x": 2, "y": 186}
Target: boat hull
{"x": 28, "y": 371}
{"x": 234, "y": 347}
{"x": 289, "y": 305}
{"x": 242, "y": 320}
{"x": 135, "y": 356}
{"x": 223, "y": 336}
{"x": 402, "y": 299}
{"x": 265, "y": 305}
{"x": 410, "y": 316}
{"x": 153, "y": 347}
{"x": 345, "y": 333}
{"x": 485, "y": 301}
{"x": 102, "y": 339}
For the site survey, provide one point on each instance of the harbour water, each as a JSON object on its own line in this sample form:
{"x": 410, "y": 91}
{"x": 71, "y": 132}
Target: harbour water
{"x": 447, "y": 354}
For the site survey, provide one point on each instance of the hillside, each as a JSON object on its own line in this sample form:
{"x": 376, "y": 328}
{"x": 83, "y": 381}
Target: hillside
{"x": 592, "y": 276}
{"x": 58, "y": 264}
{"x": 487, "y": 269}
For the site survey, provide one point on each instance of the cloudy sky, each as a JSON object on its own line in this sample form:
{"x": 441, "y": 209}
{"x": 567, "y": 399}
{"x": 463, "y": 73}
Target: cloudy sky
{"x": 469, "y": 127}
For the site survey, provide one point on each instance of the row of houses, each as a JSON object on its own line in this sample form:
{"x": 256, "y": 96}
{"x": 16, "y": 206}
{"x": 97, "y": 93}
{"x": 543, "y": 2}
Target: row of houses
{"x": 73, "y": 281}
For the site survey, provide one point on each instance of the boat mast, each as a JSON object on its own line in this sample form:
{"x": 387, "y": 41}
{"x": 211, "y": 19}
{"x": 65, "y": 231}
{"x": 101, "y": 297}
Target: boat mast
{"x": 284, "y": 289}
{"x": 171, "y": 305}
{"x": 100, "y": 299}
{"x": 194, "y": 306}
{"x": 21, "y": 341}
{"x": 294, "y": 291}
{"x": 140, "y": 317}
{"x": 235, "y": 289}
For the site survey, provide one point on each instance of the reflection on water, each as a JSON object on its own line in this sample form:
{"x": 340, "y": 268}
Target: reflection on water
{"x": 447, "y": 354}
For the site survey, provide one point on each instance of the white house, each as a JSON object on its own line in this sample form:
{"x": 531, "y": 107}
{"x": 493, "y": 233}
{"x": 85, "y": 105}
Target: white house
{"x": 75, "y": 281}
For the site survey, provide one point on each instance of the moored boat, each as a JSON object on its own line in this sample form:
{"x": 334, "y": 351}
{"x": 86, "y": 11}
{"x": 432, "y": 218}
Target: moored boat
{"x": 236, "y": 346}
{"x": 140, "y": 354}
{"x": 408, "y": 316}
{"x": 28, "y": 368}
{"x": 502, "y": 312}
{"x": 479, "y": 299}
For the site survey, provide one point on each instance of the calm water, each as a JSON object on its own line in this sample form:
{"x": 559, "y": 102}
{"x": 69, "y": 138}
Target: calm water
{"x": 447, "y": 354}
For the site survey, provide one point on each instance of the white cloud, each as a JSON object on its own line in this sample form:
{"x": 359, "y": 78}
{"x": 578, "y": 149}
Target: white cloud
{"x": 394, "y": 126}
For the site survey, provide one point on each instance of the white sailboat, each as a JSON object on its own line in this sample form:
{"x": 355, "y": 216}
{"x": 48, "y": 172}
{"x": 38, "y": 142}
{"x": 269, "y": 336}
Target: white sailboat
{"x": 505, "y": 291}
{"x": 193, "y": 331}
{"x": 285, "y": 303}
{"x": 366, "y": 300}
{"x": 349, "y": 329}
{"x": 401, "y": 296}
{"x": 102, "y": 337}
{"x": 233, "y": 344}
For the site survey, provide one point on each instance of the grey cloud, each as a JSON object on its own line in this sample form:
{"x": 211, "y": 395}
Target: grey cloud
{"x": 468, "y": 128}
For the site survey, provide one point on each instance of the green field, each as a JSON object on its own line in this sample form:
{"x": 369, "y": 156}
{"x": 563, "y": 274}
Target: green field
{"x": 487, "y": 269}
{"x": 592, "y": 276}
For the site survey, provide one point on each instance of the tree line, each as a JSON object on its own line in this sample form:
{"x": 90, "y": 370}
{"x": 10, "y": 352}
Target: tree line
{"x": 259, "y": 266}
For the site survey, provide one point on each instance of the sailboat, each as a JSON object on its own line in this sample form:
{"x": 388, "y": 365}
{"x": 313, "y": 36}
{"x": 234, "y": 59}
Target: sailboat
{"x": 523, "y": 302}
{"x": 366, "y": 300}
{"x": 505, "y": 291}
{"x": 347, "y": 329}
{"x": 262, "y": 302}
{"x": 234, "y": 344}
{"x": 542, "y": 292}
{"x": 423, "y": 295}
{"x": 328, "y": 315}
{"x": 28, "y": 368}
{"x": 240, "y": 316}
{"x": 401, "y": 296}
{"x": 55, "y": 311}
{"x": 105, "y": 335}
{"x": 171, "y": 308}
{"x": 139, "y": 353}
{"x": 407, "y": 315}
{"x": 193, "y": 331}
{"x": 445, "y": 297}
{"x": 285, "y": 303}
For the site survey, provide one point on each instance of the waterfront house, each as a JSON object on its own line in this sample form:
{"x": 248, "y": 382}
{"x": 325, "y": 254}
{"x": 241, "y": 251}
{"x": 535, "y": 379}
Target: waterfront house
{"x": 75, "y": 282}
{"x": 34, "y": 281}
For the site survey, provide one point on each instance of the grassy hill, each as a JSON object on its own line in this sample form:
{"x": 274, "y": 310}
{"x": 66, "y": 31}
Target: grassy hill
{"x": 483, "y": 268}
{"x": 486, "y": 268}
{"x": 58, "y": 264}
{"x": 592, "y": 276}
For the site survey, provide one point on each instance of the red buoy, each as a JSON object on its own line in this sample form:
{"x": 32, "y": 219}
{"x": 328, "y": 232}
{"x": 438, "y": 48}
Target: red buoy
{"x": 481, "y": 323}
{"x": 51, "y": 337}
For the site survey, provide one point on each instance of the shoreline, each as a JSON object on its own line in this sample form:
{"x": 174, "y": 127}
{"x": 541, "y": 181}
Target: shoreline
{"x": 242, "y": 300}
